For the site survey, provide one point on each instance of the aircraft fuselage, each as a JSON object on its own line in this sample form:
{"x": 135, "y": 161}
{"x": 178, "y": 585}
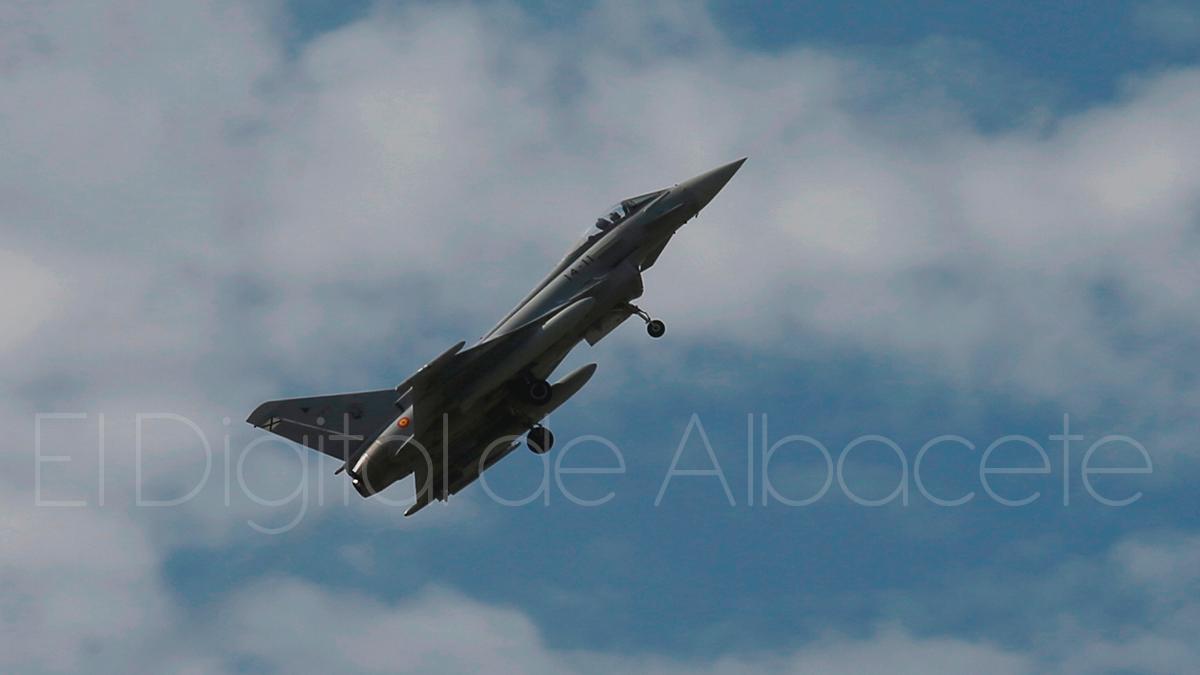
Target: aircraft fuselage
{"x": 472, "y": 405}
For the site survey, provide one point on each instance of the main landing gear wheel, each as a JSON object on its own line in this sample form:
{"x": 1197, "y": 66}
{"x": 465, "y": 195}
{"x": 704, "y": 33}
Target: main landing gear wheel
{"x": 655, "y": 328}
{"x": 539, "y": 439}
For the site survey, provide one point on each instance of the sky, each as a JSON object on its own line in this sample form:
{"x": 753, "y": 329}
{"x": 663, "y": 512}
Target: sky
{"x": 926, "y": 402}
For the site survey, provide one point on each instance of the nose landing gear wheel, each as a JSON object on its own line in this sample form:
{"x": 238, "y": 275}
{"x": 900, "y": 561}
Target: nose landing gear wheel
{"x": 539, "y": 439}
{"x": 654, "y": 327}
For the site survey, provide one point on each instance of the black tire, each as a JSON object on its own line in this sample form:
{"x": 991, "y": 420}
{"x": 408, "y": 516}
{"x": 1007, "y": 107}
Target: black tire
{"x": 538, "y": 391}
{"x": 539, "y": 439}
{"x": 656, "y": 328}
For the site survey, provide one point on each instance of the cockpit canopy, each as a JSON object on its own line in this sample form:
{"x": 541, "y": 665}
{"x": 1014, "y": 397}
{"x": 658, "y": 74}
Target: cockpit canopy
{"x": 612, "y": 215}
{"x": 619, "y": 212}
{"x": 607, "y": 220}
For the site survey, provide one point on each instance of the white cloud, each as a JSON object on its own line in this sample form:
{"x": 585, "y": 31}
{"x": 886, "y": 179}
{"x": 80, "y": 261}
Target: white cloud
{"x": 33, "y": 297}
{"x": 1132, "y": 606}
{"x": 1161, "y": 571}
{"x": 407, "y": 173}
{"x": 290, "y": 625}
{"x": 1168, "y": 565}
{"x": 437, "y": 631}
{"x": 440, "y": 151}
{"x": 66, "y": 605}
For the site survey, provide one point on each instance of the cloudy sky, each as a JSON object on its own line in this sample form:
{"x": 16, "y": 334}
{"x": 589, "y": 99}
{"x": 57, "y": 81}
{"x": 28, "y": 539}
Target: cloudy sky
{"x": 962, "y": 227}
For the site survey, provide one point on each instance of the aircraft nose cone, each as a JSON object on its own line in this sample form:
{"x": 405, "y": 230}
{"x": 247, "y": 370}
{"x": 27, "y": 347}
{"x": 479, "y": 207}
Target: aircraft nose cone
{"x": 706, "y": 186}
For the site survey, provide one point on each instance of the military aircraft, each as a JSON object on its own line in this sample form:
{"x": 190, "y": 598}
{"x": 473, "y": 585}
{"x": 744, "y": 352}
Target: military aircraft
{"x": 465, "y": 410}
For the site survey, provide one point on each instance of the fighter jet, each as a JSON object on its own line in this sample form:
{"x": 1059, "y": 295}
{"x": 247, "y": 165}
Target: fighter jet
{"x": 465, "y": 410}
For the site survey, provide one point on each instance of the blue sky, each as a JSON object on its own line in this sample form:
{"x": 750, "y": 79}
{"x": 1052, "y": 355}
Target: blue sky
{"x": 1083, "y": 55}
{"x": 958, "y": 219}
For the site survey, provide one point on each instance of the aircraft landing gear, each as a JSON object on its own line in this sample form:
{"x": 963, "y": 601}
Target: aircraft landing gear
{"x": 655, "y": 328}
{"x": 539, "y": 439}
